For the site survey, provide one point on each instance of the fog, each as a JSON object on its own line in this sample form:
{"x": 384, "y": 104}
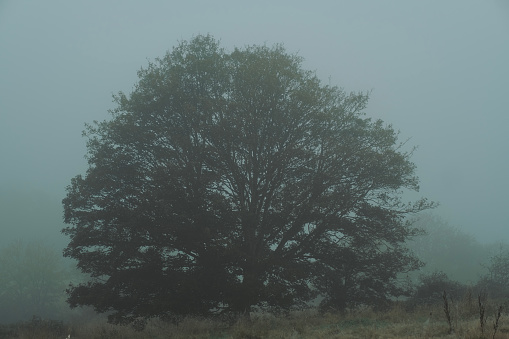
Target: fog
{"x": 438, "y": 72}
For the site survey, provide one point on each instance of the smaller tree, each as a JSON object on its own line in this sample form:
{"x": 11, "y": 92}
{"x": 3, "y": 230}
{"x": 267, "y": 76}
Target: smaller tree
{"x": 431, "y": 288}
{"x": 496, "y": 280}
{"x": 464, "y": 253}
{"x": 31, "y": 280}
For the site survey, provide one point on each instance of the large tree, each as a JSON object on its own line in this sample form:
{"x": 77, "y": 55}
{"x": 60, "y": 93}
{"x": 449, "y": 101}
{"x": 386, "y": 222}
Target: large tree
{"x": 232, "y": 180}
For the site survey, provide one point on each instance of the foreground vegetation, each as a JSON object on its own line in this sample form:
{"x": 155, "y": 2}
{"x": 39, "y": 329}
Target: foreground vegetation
{"x": 470, "y": 317}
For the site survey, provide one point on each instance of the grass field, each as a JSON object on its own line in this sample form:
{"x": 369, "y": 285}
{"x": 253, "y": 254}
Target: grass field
{"x": 463, "y": 321}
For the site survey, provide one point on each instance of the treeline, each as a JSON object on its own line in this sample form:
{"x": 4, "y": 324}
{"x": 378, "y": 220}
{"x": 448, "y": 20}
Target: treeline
{"x": 457, "y": 263}
{"x": 446, "y": 248}
{"x": 33, "y": 280}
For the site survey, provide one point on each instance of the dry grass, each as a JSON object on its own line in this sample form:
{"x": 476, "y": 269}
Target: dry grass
{"x": 422, "y": 322}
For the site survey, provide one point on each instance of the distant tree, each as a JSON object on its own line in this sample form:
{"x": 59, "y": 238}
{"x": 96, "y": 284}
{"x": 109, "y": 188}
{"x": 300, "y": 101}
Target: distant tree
{"x": 32, "y": 280}
{"x": 431, "y": 287}
{"x": 228, "y": 181}
{"x": 448, "y": 249}
{"x": 495, "y": 281}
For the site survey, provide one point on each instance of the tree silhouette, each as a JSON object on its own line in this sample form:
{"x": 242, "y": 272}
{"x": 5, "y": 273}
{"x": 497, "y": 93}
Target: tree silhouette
{"x": 227, "y": 181}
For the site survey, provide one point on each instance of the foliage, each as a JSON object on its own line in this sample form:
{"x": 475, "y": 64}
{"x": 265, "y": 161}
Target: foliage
{"x": 31, "y": 280}
{"x": 432, "y": 287}
{"x": 231, "y": 181}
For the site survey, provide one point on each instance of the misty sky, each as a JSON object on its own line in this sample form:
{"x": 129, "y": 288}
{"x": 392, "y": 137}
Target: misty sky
{"x": 438, "y": 72}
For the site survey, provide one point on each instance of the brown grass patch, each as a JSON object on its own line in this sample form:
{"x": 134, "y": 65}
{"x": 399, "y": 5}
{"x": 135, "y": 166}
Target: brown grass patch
{"x": 397, "y": 322}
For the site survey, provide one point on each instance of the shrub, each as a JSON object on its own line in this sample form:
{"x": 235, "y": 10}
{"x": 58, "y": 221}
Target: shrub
{"x": 431, "y": 289}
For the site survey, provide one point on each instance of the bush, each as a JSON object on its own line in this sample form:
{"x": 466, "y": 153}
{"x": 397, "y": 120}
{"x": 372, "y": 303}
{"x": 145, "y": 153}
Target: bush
{"x": 431, "y": 289}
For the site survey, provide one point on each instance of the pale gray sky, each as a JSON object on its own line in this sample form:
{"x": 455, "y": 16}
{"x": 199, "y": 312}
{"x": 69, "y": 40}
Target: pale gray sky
{"x": 438, "y": 70}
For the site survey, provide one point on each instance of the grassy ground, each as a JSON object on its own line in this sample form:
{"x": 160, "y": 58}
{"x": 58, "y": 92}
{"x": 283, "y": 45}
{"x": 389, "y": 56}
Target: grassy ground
{"x": 423, "y": 322}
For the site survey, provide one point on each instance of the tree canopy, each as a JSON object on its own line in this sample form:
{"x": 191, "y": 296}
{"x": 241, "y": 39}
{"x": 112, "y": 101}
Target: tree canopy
{"x": 228, "y": 181}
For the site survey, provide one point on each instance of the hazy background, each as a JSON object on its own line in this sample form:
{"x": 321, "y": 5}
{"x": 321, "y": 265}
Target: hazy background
{"x": 438, "y": 70}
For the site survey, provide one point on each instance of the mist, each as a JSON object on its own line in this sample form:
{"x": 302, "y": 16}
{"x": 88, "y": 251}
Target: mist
{"x": 437, "y": 71}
